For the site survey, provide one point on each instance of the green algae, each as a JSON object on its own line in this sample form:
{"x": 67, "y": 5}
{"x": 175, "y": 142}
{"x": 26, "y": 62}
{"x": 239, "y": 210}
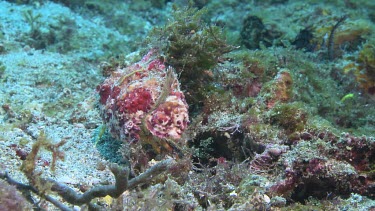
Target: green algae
{"x": 107, "y": 146}
{"x": 291, "y": 116}
{"x": 192, "y": 47}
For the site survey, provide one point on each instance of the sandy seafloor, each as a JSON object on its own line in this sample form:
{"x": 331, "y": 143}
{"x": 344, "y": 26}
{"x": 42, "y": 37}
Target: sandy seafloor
{"x": 34, "y": 78}
{"x": 52, "y": 90}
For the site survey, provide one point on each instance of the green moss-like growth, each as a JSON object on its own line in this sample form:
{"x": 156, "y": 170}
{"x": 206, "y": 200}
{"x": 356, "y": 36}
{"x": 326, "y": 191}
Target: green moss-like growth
{"x": 192, "y": 47}
{"x": 249, "y": 184}
{"x": 54, "y": 108}
{"x": 203, "y": 152}
{"x": 319, "y": 124}
{"x": 107, "y": 146}
{"x": 291, "y": 116}
{"x": 366, "y": 72}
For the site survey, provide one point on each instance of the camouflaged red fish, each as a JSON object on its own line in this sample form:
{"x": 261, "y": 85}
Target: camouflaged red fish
{"x": 143, "y": 100}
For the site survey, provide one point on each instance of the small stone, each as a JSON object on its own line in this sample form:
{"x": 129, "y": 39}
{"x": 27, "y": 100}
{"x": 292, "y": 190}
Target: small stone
{"x": 101, "y": 166}
{"x": 266, "y": 198}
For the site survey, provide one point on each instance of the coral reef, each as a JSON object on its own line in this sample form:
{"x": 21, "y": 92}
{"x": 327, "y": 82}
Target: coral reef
{"x": 180, "y": 118}
{"x": 325, "y": 169}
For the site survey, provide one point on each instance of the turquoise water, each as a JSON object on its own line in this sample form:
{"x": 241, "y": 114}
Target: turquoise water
{"x": 261, "y": 105}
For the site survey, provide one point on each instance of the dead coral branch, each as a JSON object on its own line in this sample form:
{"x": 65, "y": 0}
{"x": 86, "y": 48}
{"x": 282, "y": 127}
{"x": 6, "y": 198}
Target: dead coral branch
{"x": 43, "y": 187}
{"x": 72, "y": 197}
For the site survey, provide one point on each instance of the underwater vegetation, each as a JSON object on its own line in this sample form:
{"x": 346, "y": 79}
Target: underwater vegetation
{"x": 192, "y": 47}
{"x": 199, "y": 105}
